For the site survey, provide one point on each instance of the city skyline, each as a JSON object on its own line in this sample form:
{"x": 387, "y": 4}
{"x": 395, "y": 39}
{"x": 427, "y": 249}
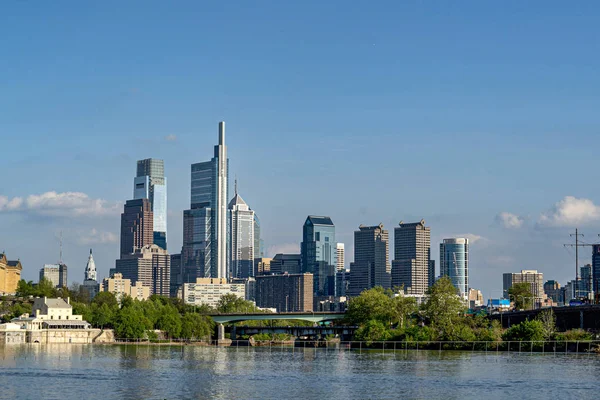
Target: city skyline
{"x": 309, "y": 112}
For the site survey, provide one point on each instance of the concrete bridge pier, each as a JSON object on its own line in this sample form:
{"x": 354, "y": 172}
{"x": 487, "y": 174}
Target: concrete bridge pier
{"x": 220, "y": 332}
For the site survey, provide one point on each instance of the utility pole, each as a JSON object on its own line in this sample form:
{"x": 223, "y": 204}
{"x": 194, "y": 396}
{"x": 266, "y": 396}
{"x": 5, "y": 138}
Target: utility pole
{"x": 577, "y": 245}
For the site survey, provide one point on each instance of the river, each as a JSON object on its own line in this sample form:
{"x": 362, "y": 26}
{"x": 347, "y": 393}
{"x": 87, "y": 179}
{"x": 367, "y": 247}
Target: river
{"x": 162, "y": 372}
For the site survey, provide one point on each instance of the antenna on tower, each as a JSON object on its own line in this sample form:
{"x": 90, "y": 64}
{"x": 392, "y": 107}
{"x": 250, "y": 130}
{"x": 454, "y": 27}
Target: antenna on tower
{"x": 235, "y": 186}
{"x": 60, "y": 261}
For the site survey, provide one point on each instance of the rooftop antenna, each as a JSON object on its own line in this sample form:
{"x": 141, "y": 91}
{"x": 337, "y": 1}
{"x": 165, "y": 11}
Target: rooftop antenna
{"x": 235, "y": 186}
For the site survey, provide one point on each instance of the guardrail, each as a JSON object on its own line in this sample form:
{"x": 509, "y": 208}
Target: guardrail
{"x": 549, "y": 346}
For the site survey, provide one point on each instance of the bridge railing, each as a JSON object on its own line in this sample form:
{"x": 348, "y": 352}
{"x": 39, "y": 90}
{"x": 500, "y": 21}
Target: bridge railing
{"x": 535, "y": 346}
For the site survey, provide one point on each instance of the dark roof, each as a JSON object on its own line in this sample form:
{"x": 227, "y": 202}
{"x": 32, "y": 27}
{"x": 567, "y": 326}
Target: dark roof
{"x": 13, "y": 263}
{"x": 319, "y": 220}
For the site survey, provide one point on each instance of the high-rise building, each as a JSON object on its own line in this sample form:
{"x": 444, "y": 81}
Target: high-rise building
{"x": 176, "y": 275}
{"x": 205, "y": 224}
{"x": 150, "y": 265}
{"x": 286, "y": 292}
{"x": 136, "y": 226}
{"x": 475, "y": 298}
{"x": 120, "y": 287}
{"x": 241, "y": 240}
{"x": 318, "y": 250}
{"x": 371, "y": 266}
{"x": 454, "y": 263}
{"x": 552, "y": 290}
{"x": 585, "y": 281}
{"x": 412, "y": 266}
{"x": 286, "y": 264}
{"x": 55, "y": 273}
{"x": 340, "y": 258}
{"x": 532, "y": 277}
{"x": 150, "y": 183}
{"x": 596, "y": 272}
{"x": 90, "y": 286}
{"x": 259, "y": 245}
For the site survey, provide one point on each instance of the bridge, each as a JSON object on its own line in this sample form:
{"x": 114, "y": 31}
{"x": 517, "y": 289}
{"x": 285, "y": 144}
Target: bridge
{"x": 345, "y": 333}
{"x": 583, "y": 317}
{"x": 317, "y": 316}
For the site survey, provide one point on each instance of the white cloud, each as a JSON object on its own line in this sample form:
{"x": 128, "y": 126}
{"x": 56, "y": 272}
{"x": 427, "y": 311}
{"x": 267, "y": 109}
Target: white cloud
{"x": 570, "y": 211}
{"x": 509, "y": 220}
{"x": 286, "y": 248}
{"x": 53, "y": 204}
{"x": 171, "y": 138}
{"x": 97, "y": 237}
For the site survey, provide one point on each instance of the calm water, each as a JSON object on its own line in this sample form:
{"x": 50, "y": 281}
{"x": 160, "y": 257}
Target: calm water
{"x": 146, "y": 372}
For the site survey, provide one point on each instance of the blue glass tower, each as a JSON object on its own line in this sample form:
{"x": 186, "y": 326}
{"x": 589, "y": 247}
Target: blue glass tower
{"x": 454, "y": 263}
{"x": 318, "y": 251}
{"x": 150, "y": 183}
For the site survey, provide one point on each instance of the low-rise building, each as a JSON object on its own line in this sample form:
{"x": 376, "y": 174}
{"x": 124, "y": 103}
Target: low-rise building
{"x": 475, "y": 298}
{"x": 209, "y": 291}
{"x": 120, "y": 287}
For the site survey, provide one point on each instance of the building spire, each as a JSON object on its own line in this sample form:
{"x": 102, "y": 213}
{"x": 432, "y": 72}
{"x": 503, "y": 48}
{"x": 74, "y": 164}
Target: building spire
{"x": 222, "y": 133}
{"x": 235, "y": 186}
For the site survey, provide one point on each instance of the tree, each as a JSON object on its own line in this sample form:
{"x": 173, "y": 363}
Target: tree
{"x": 403, "y": 308}
{"x": 372, "y": 331}
{"x": 103, "y": 316}
{"x": 231, "y": 304}
{"x": 521, "y": 294}
{"x": 131, "y": 323}
{"x": 45, "y": 288}
{"x": 372, "y": 304}
{"x": 195, "y": 326}
{"x": 525, "y": 331}
{"x": 169, "y": 321}
{"x": 548, "y": 320}
{"x": 105, "y": 298}
{"x": 25, "y": 288}
{"x": 444, "y": 309}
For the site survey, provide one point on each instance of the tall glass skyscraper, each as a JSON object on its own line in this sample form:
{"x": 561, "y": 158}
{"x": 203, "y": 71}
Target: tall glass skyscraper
{"x": 319, "y": 251}
{"x": 205, "y": 224}
{"x": 241, "y": 241}
{"x": 150, "y": 183}
{"x": 454, "y": 263}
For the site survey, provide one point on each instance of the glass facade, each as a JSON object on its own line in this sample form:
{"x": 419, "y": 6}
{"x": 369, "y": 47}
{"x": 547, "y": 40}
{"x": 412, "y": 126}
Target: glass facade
{"x": 241, "y": 239}
{"x": 150, "y": 183}
{"x": 319, "y": 253}
{"x": 196, "y": 254}
{"x": 454, "y": 263}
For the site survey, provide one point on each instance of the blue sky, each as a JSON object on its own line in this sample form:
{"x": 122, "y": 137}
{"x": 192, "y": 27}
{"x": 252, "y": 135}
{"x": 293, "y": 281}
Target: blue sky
{"x": 479, "y": 117}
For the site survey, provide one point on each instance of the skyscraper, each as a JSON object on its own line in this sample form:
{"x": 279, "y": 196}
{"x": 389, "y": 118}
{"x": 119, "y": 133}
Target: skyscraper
{"x": 412, "y": 266}
{"x": 534, "y": 278}
{"x": 340, "y": 258}
{"x": 205, "y": 224}
{"x": 318, "y": 250}
{"x": 136, "y": 226}
{"x": 286, "y": 293}
{"x": 585, "y": 281}
{"x": 55, "y": 273}
{"x": 241, "y": 225}
{"x": 259, "y": 251}
{"x": 371, "y": 266}
{"x": 150, "y": 265}
{"x": 454, "y": 263}
{"x": 150, "y": 183}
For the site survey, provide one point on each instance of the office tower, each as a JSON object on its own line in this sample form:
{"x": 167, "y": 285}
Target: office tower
{"x": 90, "y": 286}
{"x": 286, "y": 264}
{"x": 412, "y": 267}
{"x": 585, "y": 281}
{"x": 552, "y": 290}
{"x": 596, "y": 272}
{"x": 176, "y": 279}
{"x": 150, "y": 183}
{"x": 534, "y": 278}
{"x": 262, "y": 266}
{"x": 150, "y": 265}
{"x": 259, "y": 245}
{"x": 570, "y": 291}
{"x": 241, "y": 238}
{"x": 342, "y": 283}
{"x": 55, "y": 273}
{"x": 318, "y": 250}
{"x": 340, "y": 258}
{"x": 371, "y": 266}
{"x": 205, "y": 224}
{"x": 136, "y": 226}
{"x": 475, "y": 298}
{"x": 454, "y": 263}
{"x": 285, "y": 293}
